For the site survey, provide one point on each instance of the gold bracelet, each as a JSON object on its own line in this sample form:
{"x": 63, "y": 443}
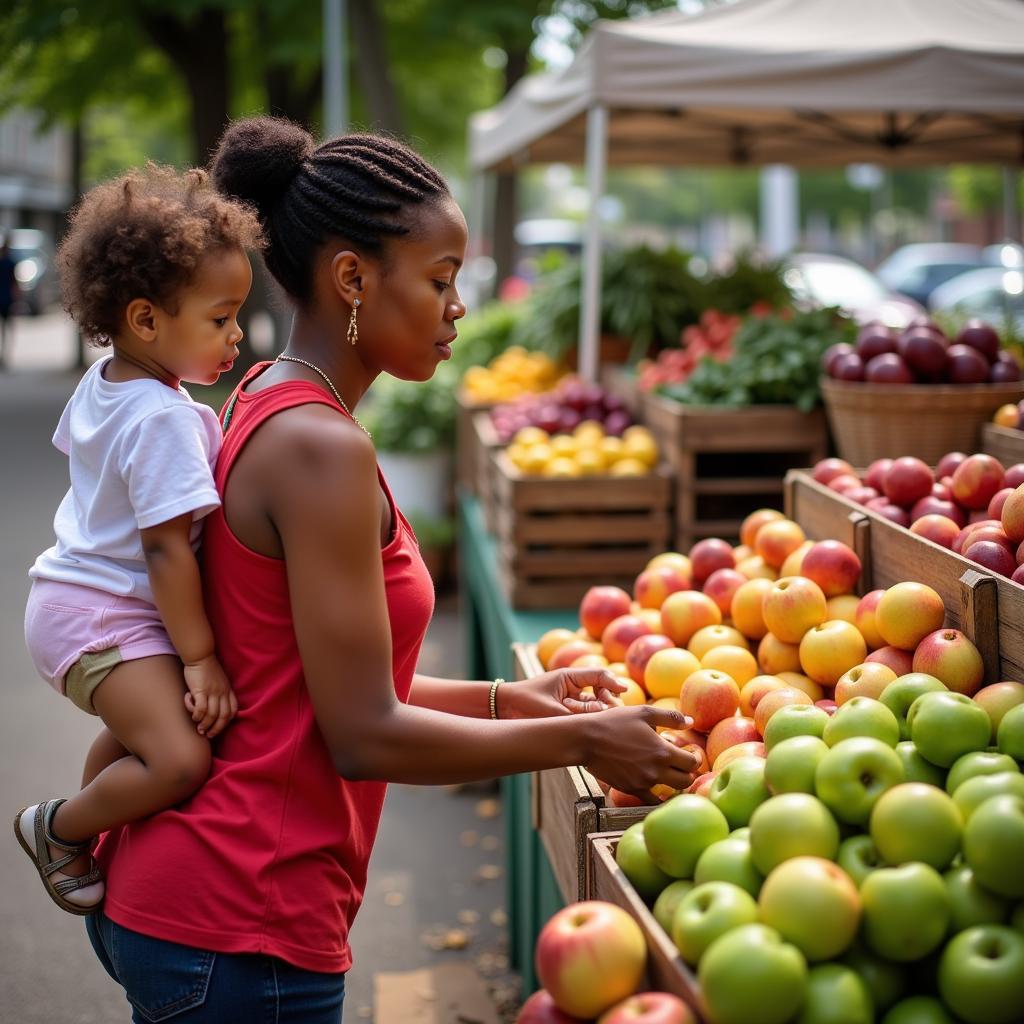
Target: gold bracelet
{"x": 492, "y": 700}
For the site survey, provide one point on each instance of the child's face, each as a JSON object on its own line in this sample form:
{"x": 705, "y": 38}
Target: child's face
{"x": 200, "y": 340}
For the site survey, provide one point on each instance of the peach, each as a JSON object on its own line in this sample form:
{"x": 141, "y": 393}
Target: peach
{"x": 751, "y": 694}
{"x": 702, "y": 784}
{"x": 640, "y": 652}
{"x": 729, "y": 732}
{"x": 745, "y": 610}
{"x": 707, "y": 697}
{"x": 754, "y": 568}
{"x": 1012, "y": 516}
{"x": 772, "y": 701}
{"x": 834, "y": 566}
{"x": 674, "y": 559}
{"x": 742, "y": 551}
{"x": 798, "y": 681}
{"x": 868, "y": 679}
{"x": 708, "y": 556}
{"x": 907, "y": 480}
{"x": 722, "y": 585}
{"x": 831, "y": 649}
{"x": 938, "y": 529}
{"x": 652, "y": 586}
{"x": 864, "y": 619}
{"x": 827, "y": 469}
{"x": 949, "y": 656}
{"x": 569, "y": 652}
{"x": 754, "y": 748}
{"x": 685, "y": 612}
{"x": 616, "y": 798}
{"x": 620, "y": 633}
{"x": 777, "y": 540}
{"x": 843, "y": 607}
{"x": 998, "y": 503}
{"x": 715, "y": 636}
{"x": 737, "y": 662}
{"x": 795, "y": 560}
{"x": 600, "y": 605}
{"x": 652, "y": 616}
{"x": 996, "y": 699}
{"x": 907, "y": 613}
{"x": 684, "y": 737}
{"x": 634, "y": 695}
{"x": 617, "y": 668}
{"x": 793, "y": 606}
{"x": 550, "y": 642}
{"x": 844, "y": 483}
{"x": 754, "y": 522}
{"x": 667, "y": 670}
{"x": 875, "y": 476}
{"x": 775, "y": 656}
{"x": 590, "y": 661}
{"x": 976, "y": 481}
{"x": 900, "y": 661}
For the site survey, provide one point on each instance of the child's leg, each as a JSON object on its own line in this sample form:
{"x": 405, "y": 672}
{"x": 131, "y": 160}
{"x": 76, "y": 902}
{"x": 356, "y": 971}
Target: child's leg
{"x": 141, "y": 703}
{"x": 105, "y": 750}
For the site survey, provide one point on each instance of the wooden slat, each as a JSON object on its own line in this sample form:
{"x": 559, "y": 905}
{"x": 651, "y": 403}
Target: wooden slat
{"x": 581, "y": 529}
{"x": 1005, "y": 443}
{"x": 752, "y": 485}
{"x": 566, "y": 815}
{"x": 588, "y": 564}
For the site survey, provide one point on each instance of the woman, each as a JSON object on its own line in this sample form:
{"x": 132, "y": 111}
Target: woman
{"x": 237, "y": 904}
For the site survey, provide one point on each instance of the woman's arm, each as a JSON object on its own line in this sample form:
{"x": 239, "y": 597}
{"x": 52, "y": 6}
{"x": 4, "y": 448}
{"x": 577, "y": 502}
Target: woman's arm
{"x": 323, "y": 502}
{"x": 469, "y": 698}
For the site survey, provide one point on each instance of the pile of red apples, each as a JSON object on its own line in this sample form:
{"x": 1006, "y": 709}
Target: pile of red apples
{"x": 923, "y": 354}
{"x": 969, "y": 503}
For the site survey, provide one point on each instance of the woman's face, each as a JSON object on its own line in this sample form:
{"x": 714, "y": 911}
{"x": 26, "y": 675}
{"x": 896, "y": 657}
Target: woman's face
{"x": 410, "y": 304}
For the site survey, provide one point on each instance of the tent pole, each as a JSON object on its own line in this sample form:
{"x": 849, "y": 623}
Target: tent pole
{"x": 1011, "y": 215}
{"x": 590, "y": 299}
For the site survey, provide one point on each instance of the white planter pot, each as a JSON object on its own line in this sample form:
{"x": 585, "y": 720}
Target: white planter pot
{"x": 419, "y": 483}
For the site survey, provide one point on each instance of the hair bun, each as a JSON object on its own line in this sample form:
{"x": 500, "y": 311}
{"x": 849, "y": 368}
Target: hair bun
{"x": 257, "y": 158}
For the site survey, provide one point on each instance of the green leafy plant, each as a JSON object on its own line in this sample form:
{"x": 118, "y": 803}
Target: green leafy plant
{"x": 776, "y": 360}
{"x": 432, "y": 532}
{"x": 749, "y": 281}
{"x": 413, "y": 416}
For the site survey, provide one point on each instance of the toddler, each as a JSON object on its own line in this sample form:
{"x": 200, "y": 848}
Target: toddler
{"x": 154, "y": 266}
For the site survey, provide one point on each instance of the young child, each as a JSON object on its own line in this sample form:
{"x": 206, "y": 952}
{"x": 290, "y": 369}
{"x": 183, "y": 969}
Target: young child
{"x": 154, "y": 265}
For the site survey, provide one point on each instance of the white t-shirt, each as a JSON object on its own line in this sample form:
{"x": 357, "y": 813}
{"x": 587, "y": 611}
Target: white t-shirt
{"x": 140, "y": 453}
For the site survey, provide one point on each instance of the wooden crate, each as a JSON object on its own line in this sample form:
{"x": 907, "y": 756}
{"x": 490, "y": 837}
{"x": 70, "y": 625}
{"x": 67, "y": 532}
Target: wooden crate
{"x": 558, "y": 537}
{"x": 466, "y": 451}
{"x": 484, "y": 441}
{"x": 988, "y": 608}
{"x": 729, "y": 461}
{"x": 1005, "y": 443}
{"x": 666, "y": 971}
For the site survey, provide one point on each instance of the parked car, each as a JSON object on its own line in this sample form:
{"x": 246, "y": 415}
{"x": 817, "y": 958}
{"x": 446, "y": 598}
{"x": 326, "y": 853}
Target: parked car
{"x": 821, "y": 280}
{"x": 33, "y": 256}
{"x": 917, "y": 270}
{"x": 995, "y": 294}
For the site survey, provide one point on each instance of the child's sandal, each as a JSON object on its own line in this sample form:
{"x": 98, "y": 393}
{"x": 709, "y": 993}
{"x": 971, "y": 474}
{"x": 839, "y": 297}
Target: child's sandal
{"x": 77, "y": 894}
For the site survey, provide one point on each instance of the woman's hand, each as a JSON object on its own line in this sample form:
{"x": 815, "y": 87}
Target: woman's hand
{"x": 559, "y": 693}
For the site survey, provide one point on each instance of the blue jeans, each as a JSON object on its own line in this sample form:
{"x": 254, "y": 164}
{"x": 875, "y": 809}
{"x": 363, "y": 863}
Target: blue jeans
{"x": 164, "y": 981}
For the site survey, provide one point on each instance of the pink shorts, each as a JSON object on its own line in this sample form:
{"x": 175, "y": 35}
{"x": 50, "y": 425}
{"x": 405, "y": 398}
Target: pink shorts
{"x": 64, "y": 621}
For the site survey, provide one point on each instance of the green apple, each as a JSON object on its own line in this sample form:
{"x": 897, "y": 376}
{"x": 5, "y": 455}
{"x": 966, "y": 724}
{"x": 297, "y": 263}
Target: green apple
{"x": 981, "y": 974}
{"x": 707, "y": 912}
{"x": 918, "y": 1010}
{"x": 791, "y": 764}
{"x": 1010, "y": 735}
{"x": 945, "y": 726}
{"x": 915, "y": 822}
{"x": 994, "y": 845}
{"x": 970, "y": 903}
{"x": 854, "y": 774}
{"x": 774, "y": 977}
{"x": 739, "y": 789}
{"x": 862, "y": 716}
{"x": 858, "y": 857}
{"x": 631, "y": 855}
{"x": 794, "y": 720}
{"x": 917, "y": 769}
{"x": 836, "y": 995}
{"x": 901, "y": 693}
{"x": 680, "y": 830}
{"x": 792, "y": 825}
{"x": 978, "y": 762}
{"x": 970, "y": 795}
{"x": 886, "y": 982}
{"x": 665, "y": 905}
{"x": 997, "y": 699}
{"x": 730, "y": 860}
{"x": 812, "y": 903}
{"x": 906, "y": 911}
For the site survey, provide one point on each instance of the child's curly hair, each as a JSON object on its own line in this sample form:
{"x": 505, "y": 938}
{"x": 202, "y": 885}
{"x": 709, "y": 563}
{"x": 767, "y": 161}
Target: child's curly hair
{"x": 143, "y": 235}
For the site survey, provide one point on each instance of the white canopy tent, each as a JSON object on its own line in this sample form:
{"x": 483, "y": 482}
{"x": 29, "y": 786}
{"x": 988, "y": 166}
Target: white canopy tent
{"x": 807, "y": 82}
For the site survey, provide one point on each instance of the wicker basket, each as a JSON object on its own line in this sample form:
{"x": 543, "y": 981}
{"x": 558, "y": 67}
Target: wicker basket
{"x": 874, "y": 421}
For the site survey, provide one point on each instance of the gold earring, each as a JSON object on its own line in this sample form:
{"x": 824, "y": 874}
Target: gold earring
{"x": 353, "y": 327}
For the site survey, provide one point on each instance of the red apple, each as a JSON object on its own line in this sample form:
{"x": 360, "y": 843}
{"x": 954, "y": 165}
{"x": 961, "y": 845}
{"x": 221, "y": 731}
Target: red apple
{"x": 709, "y": 555}
{"x": 875, "y": 339}
{"x": 924, "y": 352}
{"x": 995, "y": 506}
{"x": 992, "y": 534}
{"x": 728, "y": 733}
{"x": 980, "y": 336}
{"x": 977, "y": 480}
{"x": 641, "y": 650}
{"x": 721, "y": 587}
{"x": 888, "y": 369}
{"x": 875, "y": 476}
{"x": 1014, "y": 475}
{"x": 702, "y": 784}
{"x": 1001, "y": 372}
{"x": 620, "y": 633}
{"x": 992, "y": 556}
{"x": 900, "y": 661}
{"x": 951, "y": 658}
{"x": 861, "y": 495}
{"x": 1018, "y": 575}
{"x": 932, "y": 506}
{"x": 848, "y": 366}
{"x": 966, "y": 365}
{"x": 846, "y": 482}
{"x": 907, "y": 481}
{"x": 600, "y": 605}
{"x": 649, "y": 1008}
{"x": 895, "y": 514}
{"x": 833, "y": 565}
{"x": 942, "y": 490}
{"x": 832, "y": 354}
{"x": 540, "y": 1009}
{"x": 938, "y": 529}
{"x": 708, "y": 696}
{"x": 948, "y": 464}
{"x": 1012, "y": 514}
{"x": 827, "y": 469}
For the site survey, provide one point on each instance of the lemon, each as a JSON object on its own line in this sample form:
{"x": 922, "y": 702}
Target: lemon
{"x": 590, "y": 461}
{"x": 519, "y": 456}
{"x": 643, "y": 449}
{"x": 589, "y": 432}
{"x": 537, "y": 457}
{"x": 628, "y": 467}
{"x": 564, "y": 444}
{"x": 531, "y": 435}
{"x": 611, "y": 449}
{"x": 562, "y": 467}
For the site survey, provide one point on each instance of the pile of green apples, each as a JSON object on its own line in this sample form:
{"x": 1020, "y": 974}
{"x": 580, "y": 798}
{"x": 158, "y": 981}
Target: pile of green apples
{"x": 869, "y": 868}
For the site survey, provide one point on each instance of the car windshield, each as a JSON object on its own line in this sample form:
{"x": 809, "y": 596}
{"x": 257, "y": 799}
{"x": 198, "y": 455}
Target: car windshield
{"x": 841, "y": 284}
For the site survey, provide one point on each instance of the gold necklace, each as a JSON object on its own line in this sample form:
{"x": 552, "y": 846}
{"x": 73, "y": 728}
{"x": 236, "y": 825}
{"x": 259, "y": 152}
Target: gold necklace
{"x": 330, "y": 384}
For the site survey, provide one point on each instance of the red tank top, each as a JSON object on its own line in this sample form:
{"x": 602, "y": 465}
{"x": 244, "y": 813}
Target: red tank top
{"x": 270, "y": 855}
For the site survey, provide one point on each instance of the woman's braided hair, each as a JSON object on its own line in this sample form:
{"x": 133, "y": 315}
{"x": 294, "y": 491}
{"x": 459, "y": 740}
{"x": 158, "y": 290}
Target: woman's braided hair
{"x": 358, "y": 187}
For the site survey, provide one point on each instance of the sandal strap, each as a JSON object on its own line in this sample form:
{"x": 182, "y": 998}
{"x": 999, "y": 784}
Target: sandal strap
{"x": 43, "y": 818}
{"x": 73, "y": 884}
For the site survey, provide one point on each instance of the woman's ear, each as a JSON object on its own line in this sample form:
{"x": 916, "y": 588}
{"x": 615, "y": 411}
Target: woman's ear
{"x": 140, "y": 318}
{"x": 347, "y": 276}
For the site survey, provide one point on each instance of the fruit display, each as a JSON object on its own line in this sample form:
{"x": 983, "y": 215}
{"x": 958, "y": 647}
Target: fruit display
{"x": 850, "y": 849}
{"x": 511, "y": 373}
{"x": 587, "y": 451}
{"x": 712, "y": 337}
{"x": 923, "y": 354}
{"x": 562, "y": 410}
{"x": 1010, "y": 415}
{"x": 968, "y": 503}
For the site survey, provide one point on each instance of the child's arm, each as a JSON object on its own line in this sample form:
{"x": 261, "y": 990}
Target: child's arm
{"x": 177, "y": 590}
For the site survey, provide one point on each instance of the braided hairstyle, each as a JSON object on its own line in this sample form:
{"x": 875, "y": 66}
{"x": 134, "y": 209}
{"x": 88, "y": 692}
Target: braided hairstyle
{"x": 362, "y": 187}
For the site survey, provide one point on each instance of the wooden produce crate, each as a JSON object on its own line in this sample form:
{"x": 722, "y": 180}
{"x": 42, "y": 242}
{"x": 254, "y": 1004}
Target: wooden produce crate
{"x": 729, "y": 462}
{"x": 666, "y": 971}
{"x": 987, "y": 608}
{"x": 484, "y": 441}
{"x": 1005, "y": 443}
{"x": 558, "y": 537}
{"x": 466, "y": 450}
